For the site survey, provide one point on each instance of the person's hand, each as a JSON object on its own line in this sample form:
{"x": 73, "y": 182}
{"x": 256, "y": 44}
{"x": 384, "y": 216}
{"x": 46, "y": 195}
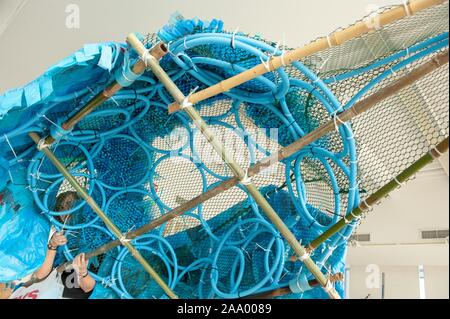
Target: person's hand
{"x": 58, "y": 239}
{"x": 80, "y": 264}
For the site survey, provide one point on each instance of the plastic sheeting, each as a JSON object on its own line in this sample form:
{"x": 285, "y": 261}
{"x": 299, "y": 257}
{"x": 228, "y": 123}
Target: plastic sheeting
{"x": 23, "y": 231}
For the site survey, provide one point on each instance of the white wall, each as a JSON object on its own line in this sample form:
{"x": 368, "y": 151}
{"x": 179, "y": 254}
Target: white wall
{"x": 436, "y": 282}
{"x": 421, "y": 204}
{"x": 38, "y": 38}
{"x": 401, "y": 282}
{"x": 396, "y": 247}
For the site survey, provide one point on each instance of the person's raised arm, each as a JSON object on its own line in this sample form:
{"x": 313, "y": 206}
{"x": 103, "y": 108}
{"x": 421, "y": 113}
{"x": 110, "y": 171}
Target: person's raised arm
{"x": 58, "y": 239}
{"x": 80, "y": 264}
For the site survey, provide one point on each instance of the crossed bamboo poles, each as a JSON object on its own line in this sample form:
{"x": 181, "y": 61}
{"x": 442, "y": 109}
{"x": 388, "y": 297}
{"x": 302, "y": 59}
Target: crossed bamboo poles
{"x": 158, "y": 51}
{"x": 283, "y": 153}
{"x": 150, "y": 60}
{"x": 113, "y": 228}
{"x": 228, "y": 159}
{"x": 337, "y": 38}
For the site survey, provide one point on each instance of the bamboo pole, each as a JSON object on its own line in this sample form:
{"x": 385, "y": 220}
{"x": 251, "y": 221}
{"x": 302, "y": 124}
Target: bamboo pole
{"x": 334, "y": 39}
{"x": 286, "y": 290}
{"x": 373, "y": 199}
{"x": 171, "y": 87}
{"x": 158, "y": 51}
{"x": 347, "y": 115}
{"x": 91, "y": 202}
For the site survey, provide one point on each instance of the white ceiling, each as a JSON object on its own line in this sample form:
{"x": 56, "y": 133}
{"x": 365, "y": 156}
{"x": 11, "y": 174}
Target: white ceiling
{"x": 33, "y": 36}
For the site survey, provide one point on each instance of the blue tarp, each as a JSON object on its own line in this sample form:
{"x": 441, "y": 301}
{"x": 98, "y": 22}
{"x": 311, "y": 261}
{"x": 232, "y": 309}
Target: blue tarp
{"x": 24, "y": 230}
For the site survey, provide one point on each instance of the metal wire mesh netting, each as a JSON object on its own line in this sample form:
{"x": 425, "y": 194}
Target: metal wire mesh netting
{"x": 139, "y": 162}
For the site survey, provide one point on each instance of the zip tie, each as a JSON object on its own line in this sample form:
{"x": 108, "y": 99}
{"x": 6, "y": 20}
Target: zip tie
{"x": 266, "y": 63}
{"x": 122, "y": 295}
{"x": 246, "y": 180}
{"x": 407, "y": 52}
{"x": 283, "y": 52}
{"x": 114, "y": 100}
{"x": 123, "y": 239}
{"x": 282, "y": 58}
{"x": 145, "y": 57}
{"x": 437, "y": 151}
{"x": 367, "y": 205}
{"x": 45, "y": 117}
{"x": 104, "y": 282}
{"x": 397, "y": 181}
{"x": 324, "y": 63}
{"x": 125, "y": 77}
{"x": 317, "y": 80}
{"x": 336, "y": 126}
{"x": 346, "y": 221}
{"x": 328, "y": 286}
{"x": 335, "y": 119}
{"x": 41, "y": 144}
{"x": 329, "y": 41}
{"x": 10, "y": 146}
{"x": 406, "y": 6}
{"x": 304, "y": 257}
{"x": 357, "y": 217}
{"x": 232, "y": 44}
{"x": 342, "y": 236}
{"x": 265, "y": 249}
{"x": 185, "y": 103}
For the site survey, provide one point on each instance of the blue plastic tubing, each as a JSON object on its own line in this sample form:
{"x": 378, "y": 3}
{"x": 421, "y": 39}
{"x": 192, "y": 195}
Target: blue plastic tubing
{"x": 273, "y": 261}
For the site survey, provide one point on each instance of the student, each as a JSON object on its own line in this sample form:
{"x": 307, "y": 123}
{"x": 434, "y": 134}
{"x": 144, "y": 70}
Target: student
{"x": 77, "y": 282}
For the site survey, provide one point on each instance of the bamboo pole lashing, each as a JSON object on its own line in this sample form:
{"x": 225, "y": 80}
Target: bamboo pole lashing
{"x": 113, "y": 228}
{"x": 172, "y": 88}
{"x": 158, "y": 51}
{"x": 336, "y": 38}
{"x": 359, "y": 108}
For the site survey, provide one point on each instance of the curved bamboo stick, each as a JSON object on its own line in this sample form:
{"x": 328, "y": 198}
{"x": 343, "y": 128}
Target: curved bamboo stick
{"x": 334, "y": 39}
{"x": 237, "y": 170}
{"x": 285, "y": 152}
{"x": 91, "y": 202}
{"x": 373, "y": 199}
{"x": 158, "y": 51}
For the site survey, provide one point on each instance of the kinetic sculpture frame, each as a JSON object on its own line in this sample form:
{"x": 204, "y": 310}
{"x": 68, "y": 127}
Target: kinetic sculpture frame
{"x": 429, "y": 55}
